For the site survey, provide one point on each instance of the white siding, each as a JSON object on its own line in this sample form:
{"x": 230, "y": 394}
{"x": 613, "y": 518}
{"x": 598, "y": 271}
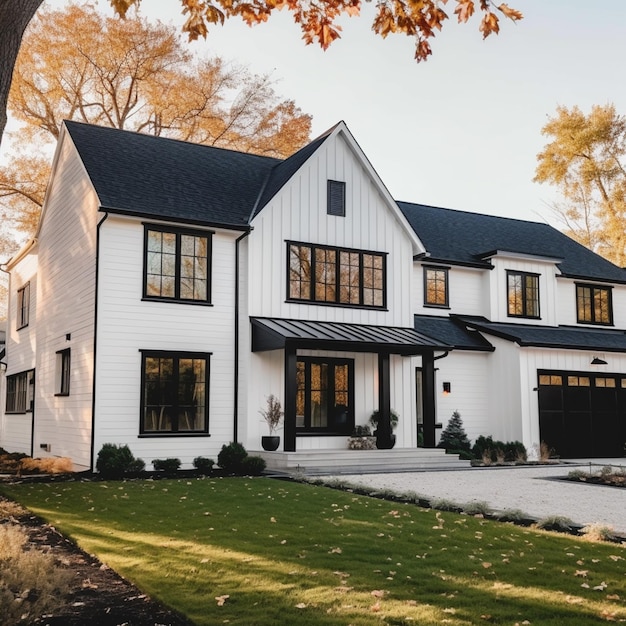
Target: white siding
{"x": 65, "y": 309}
{"x": 498, "y": 296}
{"x": 466, "y": 291}
{"x": 298, "y": 213}
{"x": 126, "y": 325}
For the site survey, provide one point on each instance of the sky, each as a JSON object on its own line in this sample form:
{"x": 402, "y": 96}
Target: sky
{"x": 462, "y": 130}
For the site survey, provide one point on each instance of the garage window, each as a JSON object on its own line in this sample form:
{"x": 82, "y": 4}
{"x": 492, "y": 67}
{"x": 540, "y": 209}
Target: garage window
{"x": 605, "y": 382}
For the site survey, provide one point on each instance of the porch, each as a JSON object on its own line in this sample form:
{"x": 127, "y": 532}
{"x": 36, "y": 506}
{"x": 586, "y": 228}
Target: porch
{"x": 318, "y": 462}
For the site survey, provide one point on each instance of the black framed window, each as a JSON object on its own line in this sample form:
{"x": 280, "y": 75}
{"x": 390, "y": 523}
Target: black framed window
{"x": 324, "y": 395}
{"x": 20, "y": 392}
{"x": 177, "y": 265}
{"x": 174, "y": 392}
{"x": 23, "y": 306}
{"x": 523, "y": 294}
{"x": 436, "y": 286}
{"x": 328, "y": 275}
{"x": 336, "y": 201}
{"x": 594, "y": 304}
{"x": 63, "y": 372}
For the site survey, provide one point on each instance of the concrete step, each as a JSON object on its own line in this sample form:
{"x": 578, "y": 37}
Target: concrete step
{"x": 360, "y": 461}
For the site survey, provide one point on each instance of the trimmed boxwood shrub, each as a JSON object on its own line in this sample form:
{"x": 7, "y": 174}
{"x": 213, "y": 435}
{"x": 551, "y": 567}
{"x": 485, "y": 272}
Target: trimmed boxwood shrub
{"x": 510, "y": 451}
{"x": 115, "y": 461}
{"x": 231, "y": 456}
{"x": 253, "y": 466}
{"x": 169, "y": 466}
{"x": 203, "y": 464}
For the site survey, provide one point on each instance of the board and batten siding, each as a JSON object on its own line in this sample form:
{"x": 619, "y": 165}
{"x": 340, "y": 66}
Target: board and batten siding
{"x": 65, "y": 309}
{"x": 298, "y": 213}
{"x": 127, "y": 325}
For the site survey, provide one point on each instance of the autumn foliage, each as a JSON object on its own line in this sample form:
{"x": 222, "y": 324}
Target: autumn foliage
{"x": 419, "y": 19}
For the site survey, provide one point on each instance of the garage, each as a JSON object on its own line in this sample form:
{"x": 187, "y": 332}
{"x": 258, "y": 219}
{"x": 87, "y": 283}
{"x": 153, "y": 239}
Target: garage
{"x": 582, "y": 414}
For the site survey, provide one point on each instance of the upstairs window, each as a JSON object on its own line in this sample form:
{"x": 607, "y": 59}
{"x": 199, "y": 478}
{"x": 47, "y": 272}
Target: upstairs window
{"x": 594, "y": 305}
{"x": 63, "y": 369}
{"x": 523, "y": 294}
{"x": 336, "y": 203}
{"x": 327, "y": 275}
{"x": 177, "y": 265}
{"x": 23, "y": 306}
{"x": 436, "y": 286}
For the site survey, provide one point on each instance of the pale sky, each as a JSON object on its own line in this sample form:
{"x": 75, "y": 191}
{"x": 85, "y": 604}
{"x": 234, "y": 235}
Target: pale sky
{"x": 461, "y": 130}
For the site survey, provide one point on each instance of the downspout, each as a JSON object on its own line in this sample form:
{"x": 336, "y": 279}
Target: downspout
{"x": 95, "y": 344}
{"x": 236, "y": 341}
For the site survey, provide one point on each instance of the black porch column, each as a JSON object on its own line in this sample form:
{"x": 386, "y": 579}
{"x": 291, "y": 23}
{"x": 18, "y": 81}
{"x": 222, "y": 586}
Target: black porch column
{"x": 383, "y": 432}
{"x": 428, "y": 395}
{"x": 289, "y": 444}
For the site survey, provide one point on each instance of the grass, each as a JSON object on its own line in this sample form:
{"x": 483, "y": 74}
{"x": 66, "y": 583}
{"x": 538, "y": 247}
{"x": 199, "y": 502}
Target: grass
{"x": 259, "y": 551}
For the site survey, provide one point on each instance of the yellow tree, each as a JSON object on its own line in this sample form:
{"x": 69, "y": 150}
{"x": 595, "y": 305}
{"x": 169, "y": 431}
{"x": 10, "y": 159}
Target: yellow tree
{"x": 586, "y": 160}
{"x": 135, "y": 75}
{"x": 419, "y": 19}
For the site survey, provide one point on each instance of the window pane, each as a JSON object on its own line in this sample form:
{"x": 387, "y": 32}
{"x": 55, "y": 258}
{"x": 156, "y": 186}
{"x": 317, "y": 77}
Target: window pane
{"x": 436, "y": 291}
{"x": 325, "y": 280}
{"x": 515, "y": 294}
{"x": 300, "y": 272}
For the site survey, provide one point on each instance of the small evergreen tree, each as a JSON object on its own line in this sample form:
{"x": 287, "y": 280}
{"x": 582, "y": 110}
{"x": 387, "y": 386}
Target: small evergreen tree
{"x": 453, "y": 436}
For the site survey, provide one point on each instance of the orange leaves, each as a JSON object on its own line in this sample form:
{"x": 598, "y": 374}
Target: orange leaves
{"x": 318, "y": 20}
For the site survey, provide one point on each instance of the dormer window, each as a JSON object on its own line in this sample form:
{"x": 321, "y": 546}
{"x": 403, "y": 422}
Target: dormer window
{"x": 594, "y": 304}
{"x": 523, "y": 294}
{"x": 436, "y": 286}
{"x": 336, "y": 204}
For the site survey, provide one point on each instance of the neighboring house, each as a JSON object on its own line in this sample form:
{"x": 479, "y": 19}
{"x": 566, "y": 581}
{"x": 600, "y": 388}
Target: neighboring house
{"x": 172, "y": 287}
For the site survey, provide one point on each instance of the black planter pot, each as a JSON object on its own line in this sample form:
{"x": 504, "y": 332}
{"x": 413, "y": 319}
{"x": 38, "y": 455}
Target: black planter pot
{"x": 270, "y": 442}
{"x": 390, "y": 444}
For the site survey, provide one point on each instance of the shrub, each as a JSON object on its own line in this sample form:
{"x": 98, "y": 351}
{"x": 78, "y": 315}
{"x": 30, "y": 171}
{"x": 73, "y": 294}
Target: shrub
{"x": 598, "y": 532}
{"x": 453, "y": 436}
{"x": 231, "y": 457}
{"x": 253, "y": 466}
{"x": 393, "y": 419}
{"x": 114, "y": 461}
{"x": 493, "y": 451}
{"x": 512, "y": 515}
{"x": 477, "y": 507}
{"x": 169, "y": 466}
{"x": 204, "y": 465}
{"x": 556, "y": 522}
{"x": 60, "y": 465}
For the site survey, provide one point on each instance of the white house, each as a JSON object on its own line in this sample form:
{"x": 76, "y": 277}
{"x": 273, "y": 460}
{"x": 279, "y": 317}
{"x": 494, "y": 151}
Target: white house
{"x": 171, "y": 287}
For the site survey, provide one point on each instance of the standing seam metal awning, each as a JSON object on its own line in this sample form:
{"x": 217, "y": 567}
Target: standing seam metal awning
{"x": 275, "y": 334}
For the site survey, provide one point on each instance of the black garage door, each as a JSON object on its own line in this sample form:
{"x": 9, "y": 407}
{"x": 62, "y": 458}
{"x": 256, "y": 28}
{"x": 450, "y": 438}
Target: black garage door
{"x": 582, "y": 414}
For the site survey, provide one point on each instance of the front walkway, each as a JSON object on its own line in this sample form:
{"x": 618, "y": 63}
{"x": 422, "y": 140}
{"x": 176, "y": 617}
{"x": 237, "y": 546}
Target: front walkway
{"x": 527, "y": 488}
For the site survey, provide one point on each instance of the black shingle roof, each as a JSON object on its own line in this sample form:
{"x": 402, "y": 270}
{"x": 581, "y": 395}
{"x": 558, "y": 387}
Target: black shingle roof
{"x": 165, "y": 178}
{"x": 460, "y": 237}
{"x": 446, "y": 331}
{"x": 567, "y": 337}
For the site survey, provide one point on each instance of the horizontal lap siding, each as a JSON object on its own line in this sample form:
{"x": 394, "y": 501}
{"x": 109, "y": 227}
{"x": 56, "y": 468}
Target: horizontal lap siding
{"x": 127, "y": 325}
{"x": 66, "y": 293}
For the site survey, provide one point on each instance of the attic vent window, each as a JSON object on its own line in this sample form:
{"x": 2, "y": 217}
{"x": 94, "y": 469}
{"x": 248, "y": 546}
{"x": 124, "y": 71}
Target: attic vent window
{"x": 336, "y": 198}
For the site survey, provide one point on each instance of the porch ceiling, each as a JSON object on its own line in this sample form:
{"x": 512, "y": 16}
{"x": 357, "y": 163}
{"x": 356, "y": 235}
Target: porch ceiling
{"x": 275, "y": 334}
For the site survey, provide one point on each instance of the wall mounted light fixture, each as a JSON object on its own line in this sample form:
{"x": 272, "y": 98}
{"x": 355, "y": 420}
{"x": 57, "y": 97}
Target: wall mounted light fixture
{"x": 447, "y": 388}
{"x": 598, "y": 361}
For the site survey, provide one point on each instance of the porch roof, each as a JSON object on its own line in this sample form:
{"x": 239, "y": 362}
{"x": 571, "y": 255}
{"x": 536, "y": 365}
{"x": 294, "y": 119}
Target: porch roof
{"x": 564, "y": 337}
{"x": 270, "y": 333}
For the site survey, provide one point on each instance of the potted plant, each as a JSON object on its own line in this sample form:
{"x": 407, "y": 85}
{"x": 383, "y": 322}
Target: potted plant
{"x": 393, "y": 418}
{"x": 361, "y": 439}
{"x": 272, "y": 415}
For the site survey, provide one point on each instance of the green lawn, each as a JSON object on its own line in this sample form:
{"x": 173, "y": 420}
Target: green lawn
{"x": 261, "y": 551}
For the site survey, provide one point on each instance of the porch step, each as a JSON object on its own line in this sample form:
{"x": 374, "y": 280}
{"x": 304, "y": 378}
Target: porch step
{"x": 316, "y": 462}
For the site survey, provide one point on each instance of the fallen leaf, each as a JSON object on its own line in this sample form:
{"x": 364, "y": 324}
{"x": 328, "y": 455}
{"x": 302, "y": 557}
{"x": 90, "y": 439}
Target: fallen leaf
{"x": 221, "y": 600}
{"x": 581, "y": 572}
{"x": 301, "y": 605}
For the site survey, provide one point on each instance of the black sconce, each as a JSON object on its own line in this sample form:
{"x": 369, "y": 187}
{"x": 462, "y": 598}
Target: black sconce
{"x": 597, "y": 361}
{"x": 447, "y": 388}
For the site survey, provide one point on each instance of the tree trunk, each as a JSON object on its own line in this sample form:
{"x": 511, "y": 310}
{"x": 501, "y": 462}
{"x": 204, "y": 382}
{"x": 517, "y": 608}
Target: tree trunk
{"x": 14, "y": 17}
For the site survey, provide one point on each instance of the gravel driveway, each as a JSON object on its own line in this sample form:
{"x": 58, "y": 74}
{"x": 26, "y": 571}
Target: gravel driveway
{"x": 529, "y": 488}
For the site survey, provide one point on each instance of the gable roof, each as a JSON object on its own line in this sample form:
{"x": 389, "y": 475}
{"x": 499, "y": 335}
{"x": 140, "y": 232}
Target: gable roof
{"x": 464, "y": 238}
{"x": 566, "y": 337}
{"x": 157, "y": 177}
{"x": 447, "y": 331}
